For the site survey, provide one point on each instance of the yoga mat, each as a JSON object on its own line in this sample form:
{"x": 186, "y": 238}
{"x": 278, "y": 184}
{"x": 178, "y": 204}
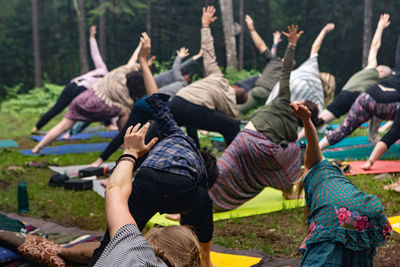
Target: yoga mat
{"x": 68, "y": 149}
{"x": 395, "y": 222}
{"x": 269, "y": 200}
{"x": 8, "y": 143}
{"x": 80, "y": 136}
{"x": 71, "y": 170}
{"x": 360, "y": 153}
{"x": 380, "y": 166}
{"x": 334, "y": 126}
{"x": 228, "y": 260}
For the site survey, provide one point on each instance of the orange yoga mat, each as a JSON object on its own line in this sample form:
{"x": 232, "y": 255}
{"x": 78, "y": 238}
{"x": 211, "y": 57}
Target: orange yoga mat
{"x": 381, "y": 166}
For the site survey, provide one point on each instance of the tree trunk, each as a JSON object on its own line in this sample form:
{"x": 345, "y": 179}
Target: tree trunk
{"x": 229, "y": 33}
{"x": 148, "y": 18}
{"x": 367, "y": 35}
{"x": 80, "y": 10}
{"x": 36, "y": 42}
{"x": 102, "y": 31}
{"x": 241, "y": 36}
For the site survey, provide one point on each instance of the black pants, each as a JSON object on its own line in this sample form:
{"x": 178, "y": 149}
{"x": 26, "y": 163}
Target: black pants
{"x": 157, "y": 191}
{"x": 70, "y": 91}
{"x": 198, "y": 117}
{"x": 382, "y": 96}
{"x": 342, "y": 103}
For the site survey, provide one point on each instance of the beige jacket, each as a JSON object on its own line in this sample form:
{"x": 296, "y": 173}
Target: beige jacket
{"x": 112, "y": 88}
{"x": 213, "y": 91}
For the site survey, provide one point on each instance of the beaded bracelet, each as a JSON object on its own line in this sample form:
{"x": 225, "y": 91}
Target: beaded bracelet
{"x": 130, "y": 156}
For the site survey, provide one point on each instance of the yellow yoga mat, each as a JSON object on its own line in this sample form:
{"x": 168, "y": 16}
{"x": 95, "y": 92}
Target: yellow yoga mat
{"x": 269, "y": 200}
{"x": 228, "y": 260}
{"x": 395, "y": 222}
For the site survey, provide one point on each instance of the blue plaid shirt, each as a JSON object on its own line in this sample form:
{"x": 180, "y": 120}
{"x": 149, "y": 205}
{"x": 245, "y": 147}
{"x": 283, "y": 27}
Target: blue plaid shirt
{"x": 176, "y": 153}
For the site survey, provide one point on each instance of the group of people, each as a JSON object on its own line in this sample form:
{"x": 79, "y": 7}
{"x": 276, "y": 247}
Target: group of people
{"x": 174, "y": 175}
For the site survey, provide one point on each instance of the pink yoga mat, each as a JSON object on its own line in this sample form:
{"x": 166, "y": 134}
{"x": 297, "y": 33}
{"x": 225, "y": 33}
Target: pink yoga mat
{"x": 381, "y": 166}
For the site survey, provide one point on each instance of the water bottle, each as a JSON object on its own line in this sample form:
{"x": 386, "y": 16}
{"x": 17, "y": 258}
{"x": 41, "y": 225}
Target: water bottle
{"x": 23, "y": 202}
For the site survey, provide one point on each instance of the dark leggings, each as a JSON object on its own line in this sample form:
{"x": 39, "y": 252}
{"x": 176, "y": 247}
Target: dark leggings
{"x": 70, "y": 91}
{"x": 198, "y": 117}
{"x": 382, "y": 96}
{"x": 158, "y": 191}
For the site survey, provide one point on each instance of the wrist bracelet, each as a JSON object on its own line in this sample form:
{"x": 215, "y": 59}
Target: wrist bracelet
{"x": 127, "y": 159}
{"x": 127, "y": 156}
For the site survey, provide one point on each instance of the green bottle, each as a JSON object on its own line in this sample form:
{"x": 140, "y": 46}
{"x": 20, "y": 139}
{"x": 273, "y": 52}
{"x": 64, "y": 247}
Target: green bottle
{"x": 23, "y": 201}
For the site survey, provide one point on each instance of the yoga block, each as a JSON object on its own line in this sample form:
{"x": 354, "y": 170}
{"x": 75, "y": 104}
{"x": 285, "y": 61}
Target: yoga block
{"x": 91, "y": 171}
{"x": 58, "y": 180}
{"x": 78, "y": 185}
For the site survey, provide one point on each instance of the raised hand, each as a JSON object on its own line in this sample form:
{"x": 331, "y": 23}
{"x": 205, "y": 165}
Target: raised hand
{"x": 301, "y": 111}
{"x": 384, "y": 21}
{"x": 277, "y": 37}
{"x": 250, "y": 23}
{"x": 329, "y": 27}
{"x": 134, "y": 140}
{"x": 208, "y": 16}
{"x": 293, "y": 35}
{"x": 198, "y": 55}
{"x": 92, "y": 31}
{"x": 145, "y": 46}
{"x": 183, "y": 52}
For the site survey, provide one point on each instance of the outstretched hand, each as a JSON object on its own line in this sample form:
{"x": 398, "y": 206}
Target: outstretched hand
{"x": 134, "y": 140}
{"x": 92, "y": 31}
{"x": 329, "y": 27}
{"x": 145, "y": 46}
{"x": 301, "y": 111}
{"x": 208, "y": 16}
{"x": 182, "y": 52}
{"x": 198, "y": 55}
{"x": 384, "y": 21}
{"x": 293, "y": 35}
{"x": 249, "y": 22}
{"x": 277, "y": 37}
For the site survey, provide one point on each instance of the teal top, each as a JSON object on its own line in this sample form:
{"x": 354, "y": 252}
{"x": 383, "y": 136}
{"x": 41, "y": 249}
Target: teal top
{"x": 340, "y": 212}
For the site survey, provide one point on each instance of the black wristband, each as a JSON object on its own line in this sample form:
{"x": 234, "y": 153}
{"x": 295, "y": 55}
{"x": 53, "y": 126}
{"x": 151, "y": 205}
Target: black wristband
{"x": 126, "y": 156}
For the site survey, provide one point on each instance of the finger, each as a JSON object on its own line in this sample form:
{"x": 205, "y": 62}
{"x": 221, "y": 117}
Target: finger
{"x": 151, "y": 143}
{"x": 128, "y": 131}
{"x": 144, "y": 129}
{"x": 300, "y": 33}
{"x": 285, "y": 33}
{"x": 136, "y": 128}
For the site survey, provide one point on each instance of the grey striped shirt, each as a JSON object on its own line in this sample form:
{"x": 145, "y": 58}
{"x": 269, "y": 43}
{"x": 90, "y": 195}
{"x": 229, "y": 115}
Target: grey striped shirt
{"x": 128, "y": 248}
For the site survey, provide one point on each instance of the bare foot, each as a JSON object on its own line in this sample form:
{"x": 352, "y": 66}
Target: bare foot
{"x": 393, "y": 186}
{"x": 174, "y": 217}
{"x": 105, "y": 183}
{"x": 35, "y": 150}
{"x": 34, "y": 130}
{"x": 367, "y": 165}
{"x": 66, "y": 136}
{"x": 112, "y": 127}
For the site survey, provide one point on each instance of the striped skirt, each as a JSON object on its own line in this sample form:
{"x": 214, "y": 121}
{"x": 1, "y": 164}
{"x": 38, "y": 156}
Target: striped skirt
{"x": 250, "y": 163}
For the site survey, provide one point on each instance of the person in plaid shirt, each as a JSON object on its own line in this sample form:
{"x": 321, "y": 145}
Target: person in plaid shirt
{"x": 175, "y": 176}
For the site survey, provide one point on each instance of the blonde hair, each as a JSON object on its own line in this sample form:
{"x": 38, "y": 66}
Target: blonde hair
{"x": 176, "y": 245}
{"x": 328, "y": 85}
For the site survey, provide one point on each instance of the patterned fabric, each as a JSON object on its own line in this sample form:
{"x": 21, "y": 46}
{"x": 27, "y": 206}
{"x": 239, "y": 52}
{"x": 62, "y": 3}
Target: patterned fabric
{"x": 305, "y": 83}
{"x": 340, "y": 212}
{"x": 41, "y": 250}
{"x": 7, "y": 255}
{"x": 362, "y": 110}
{"x": 176, "y": 153}
{"x": 250, "y": 163}
{"x": 128, "y": 248}
{"x": 88, "y": 107}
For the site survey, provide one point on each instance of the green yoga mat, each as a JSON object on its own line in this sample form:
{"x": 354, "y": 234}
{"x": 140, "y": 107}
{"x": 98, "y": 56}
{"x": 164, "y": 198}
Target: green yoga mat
{"x": 269, "y": 200}
{"x": 360, "y": 153}
{"x": 8, "y": 143}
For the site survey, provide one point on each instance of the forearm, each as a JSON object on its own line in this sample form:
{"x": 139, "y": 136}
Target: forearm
{"x": 149, "y": 82}
{"x": 176, "y": 69}
{"x": 379, "y": 149}
{"x": 274, "y": 49}
{"x": 209, "y": 58}
{"x": 258, "y": 41}
{"x": 284, "y": 87}
{"x": 313, "y": 152}
{"x": 318, "y": 42}
{"x": 373, "y": 50}
{"x": 134, "y": 57}
{"x": 95, "y": 53}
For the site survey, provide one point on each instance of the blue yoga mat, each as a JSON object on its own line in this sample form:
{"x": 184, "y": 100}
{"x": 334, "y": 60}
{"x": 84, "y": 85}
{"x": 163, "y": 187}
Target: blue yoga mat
{"x": 81, "y": 136}
{"x": 8, "y": 143}
{"x": 365, "y": 124}
{"x": 348, "y": 141}
{"x": 362, "y": 152}
{"x": 68, "y": 149}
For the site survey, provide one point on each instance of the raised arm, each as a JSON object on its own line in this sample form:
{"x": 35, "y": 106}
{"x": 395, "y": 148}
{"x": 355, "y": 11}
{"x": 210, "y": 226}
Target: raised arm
{"x": 376, "y": 41}
{"x": 257, "y": 40}
{"x": 134, "y": 58}
{"x": 318, "y": 41}
{"x": 176, "y": 67}
{"x": 293, "y": 35}
{"x": 94, "y": 50}
{"x": 277, "y": 39}
{"x": 207, "y": 42}
{"x": 313, "y": 153}
{"x": 149, "y": 82}
{"x": 119, "y": 187}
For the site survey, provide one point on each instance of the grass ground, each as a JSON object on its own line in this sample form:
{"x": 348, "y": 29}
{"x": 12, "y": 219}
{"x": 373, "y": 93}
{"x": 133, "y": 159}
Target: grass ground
{"x": 278, "y": 233}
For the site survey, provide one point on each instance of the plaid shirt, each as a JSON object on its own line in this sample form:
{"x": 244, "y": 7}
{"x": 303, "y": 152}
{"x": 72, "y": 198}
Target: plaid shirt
{"x": 176, "y": 153}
